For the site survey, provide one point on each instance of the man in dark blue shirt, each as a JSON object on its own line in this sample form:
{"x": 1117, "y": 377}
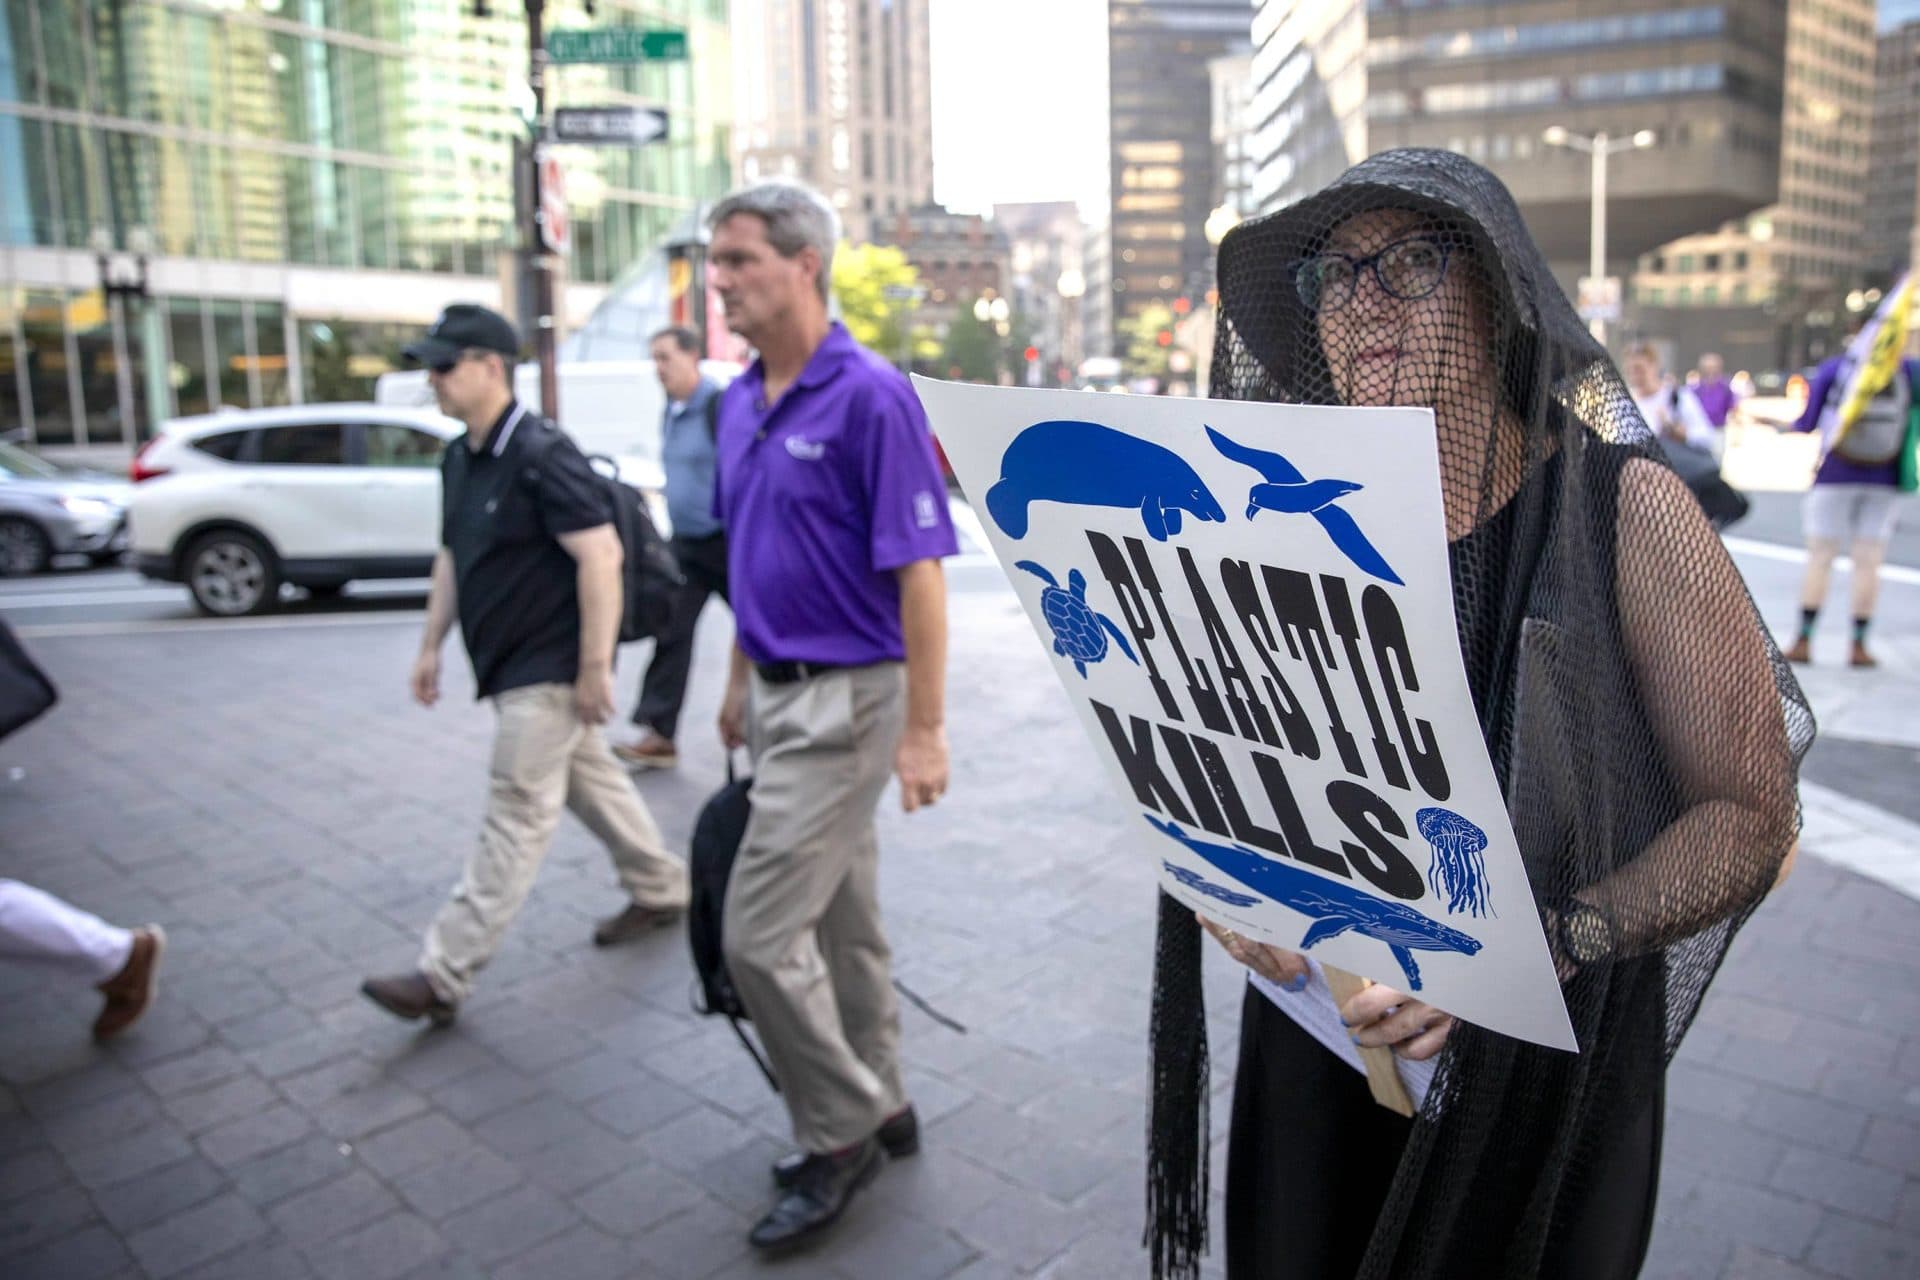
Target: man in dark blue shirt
{"x": 530, "y": 564}
{"x": 699, "y": 543}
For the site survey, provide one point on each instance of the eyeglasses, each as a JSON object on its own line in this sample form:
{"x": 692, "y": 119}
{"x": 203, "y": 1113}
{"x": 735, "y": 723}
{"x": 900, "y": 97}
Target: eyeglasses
{"x": 1410, "y": 268}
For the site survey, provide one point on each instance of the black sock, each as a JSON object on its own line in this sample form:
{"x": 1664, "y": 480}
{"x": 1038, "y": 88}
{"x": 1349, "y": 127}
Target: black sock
{"x": 1807, "y": 618}
{"x": 1860, "y": 626}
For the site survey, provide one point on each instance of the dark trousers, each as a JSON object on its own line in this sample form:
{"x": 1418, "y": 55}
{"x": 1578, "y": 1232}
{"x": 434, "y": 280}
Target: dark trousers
{"x": 703, "y": 563}
{"x": 1310, "y": 1157}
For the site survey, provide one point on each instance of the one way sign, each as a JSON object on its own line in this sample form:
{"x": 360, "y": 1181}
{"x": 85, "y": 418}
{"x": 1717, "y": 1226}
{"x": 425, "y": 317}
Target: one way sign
{"x": 609, "y": 126}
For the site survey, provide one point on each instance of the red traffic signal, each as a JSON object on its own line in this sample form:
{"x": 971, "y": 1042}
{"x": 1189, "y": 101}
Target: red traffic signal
{"x": 1182, "y": 305}
{"x": 1030, "y": 354}
{"x": 1164, "y": 337}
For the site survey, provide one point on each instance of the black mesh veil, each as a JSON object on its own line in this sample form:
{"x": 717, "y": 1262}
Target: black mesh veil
{"x": 1644, "y": 728}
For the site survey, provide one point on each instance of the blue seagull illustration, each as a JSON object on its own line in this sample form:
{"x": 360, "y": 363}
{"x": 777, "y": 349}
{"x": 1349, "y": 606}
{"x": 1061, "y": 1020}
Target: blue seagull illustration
{"x": 1288, "y": 491}
{"x": 1334, "y": 906}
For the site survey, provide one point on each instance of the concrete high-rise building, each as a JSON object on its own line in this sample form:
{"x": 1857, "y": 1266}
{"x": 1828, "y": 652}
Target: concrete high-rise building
{"x": 1230, "y": 91}
{"x": 1893, "y": 163}
{"x": 837, "y": 94}
{"x": 1768, "y": 290}
{"x": 312, "y": 182}
{"x": 1163, "y": 184}
{"x": 1047, "y": 278}
{"x": 1338, "y": 80}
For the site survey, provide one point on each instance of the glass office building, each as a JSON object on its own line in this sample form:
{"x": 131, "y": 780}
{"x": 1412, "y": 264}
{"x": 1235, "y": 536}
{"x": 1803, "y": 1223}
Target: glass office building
{"x": 311, "y": 179}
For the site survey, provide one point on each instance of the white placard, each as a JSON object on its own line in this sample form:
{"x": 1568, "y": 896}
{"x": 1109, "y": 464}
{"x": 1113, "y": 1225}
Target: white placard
{"x": 1249, "y": 606}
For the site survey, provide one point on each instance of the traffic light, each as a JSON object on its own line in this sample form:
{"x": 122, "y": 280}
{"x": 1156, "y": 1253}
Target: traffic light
{"x": 1182, "y": 305}
{"x": 1031, "y": 354}
{"x": 1164, "y": 337}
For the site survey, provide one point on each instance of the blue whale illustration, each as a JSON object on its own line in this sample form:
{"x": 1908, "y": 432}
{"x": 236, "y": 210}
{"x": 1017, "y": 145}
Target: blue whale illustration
{"x": 1335, "y": 907}
{"x": 1086, "y": 464}
{"x": 1290, "y": 492}
{"x": 1201, "y": 885}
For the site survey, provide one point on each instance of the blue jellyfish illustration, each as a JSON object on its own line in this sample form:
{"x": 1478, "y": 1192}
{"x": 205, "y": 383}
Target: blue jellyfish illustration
{"x": 1457, "y": 872}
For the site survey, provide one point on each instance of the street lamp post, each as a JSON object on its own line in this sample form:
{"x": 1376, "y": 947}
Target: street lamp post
{"x": 909, "y": 295}
{"x": 1598, "y": 148}
{"x": 124, "y": 285}
{"x": 996, "y": 312}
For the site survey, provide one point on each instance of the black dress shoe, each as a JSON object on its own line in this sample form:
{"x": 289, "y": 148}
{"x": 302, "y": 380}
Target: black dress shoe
{"x": 899, "y": 1134}
{"x": 409, "y": 996}
{"x": 820, "y": 1193}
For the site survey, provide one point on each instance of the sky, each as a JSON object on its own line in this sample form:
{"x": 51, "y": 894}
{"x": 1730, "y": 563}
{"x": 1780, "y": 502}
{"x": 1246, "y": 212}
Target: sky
{"x": 1019, "y": 102}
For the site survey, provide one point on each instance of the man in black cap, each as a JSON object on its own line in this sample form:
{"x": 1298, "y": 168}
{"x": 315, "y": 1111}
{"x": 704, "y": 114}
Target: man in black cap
{"x": 530, "y": 563}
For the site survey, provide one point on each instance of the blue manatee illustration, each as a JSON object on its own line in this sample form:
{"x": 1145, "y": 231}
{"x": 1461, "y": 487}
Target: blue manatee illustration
{"x": 1457, "y": 872}
{"x": 1077, "y": 629}
{"x": 1086, "y": 464}
{"x": 1291, "y": 493}
{"x": 1201, "y": 885}
{"x": 1335, "y": 907}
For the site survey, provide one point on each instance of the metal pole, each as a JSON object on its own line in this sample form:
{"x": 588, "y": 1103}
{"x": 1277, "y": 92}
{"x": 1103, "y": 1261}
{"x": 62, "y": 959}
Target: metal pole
{"x": 543, "y": 334}
{"x": 1597, "y": 263}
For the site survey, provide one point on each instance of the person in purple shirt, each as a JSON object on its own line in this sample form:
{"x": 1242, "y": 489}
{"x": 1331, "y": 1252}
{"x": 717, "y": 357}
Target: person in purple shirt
{"x": 837, "y": 520}
{"x": 1713, "y": 391}
{"x": 1853, "y": 504}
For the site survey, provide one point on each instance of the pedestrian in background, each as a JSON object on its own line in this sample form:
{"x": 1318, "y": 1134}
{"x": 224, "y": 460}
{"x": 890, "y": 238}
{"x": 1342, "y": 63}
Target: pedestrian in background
{"x": 699, "y": 543}
{"x": 1865, "y": 405}
{"x": 1688, "y": 437}
{"x": 1716, "y": 395}
{"x": 530, "y": 564}
{"x": 837, "y": 520}
{"x": 122, "y": 964}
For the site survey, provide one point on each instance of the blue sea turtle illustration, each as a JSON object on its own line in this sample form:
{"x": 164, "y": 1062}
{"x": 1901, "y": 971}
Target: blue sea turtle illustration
{"x": 1077, "y": 629}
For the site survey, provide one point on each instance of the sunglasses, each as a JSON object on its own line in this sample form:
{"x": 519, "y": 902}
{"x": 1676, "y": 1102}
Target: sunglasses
{"x": 445, "y": 367}
{"x": 1409, "y": 268}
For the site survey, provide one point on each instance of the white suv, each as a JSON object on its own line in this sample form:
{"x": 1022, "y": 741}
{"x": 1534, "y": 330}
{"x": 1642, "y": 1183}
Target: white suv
{"x": 235, "y": 504}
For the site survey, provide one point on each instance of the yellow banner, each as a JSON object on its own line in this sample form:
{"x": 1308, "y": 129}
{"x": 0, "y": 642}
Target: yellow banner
{"x": 1889, "y": 338}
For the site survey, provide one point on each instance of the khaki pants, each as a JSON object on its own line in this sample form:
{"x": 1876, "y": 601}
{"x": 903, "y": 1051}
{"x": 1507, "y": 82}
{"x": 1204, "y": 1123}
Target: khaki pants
{"x": 544, "y": 757}
{"x": 802, "y": 930}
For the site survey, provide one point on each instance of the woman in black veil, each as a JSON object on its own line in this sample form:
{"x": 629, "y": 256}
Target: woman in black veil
{"x": 1644, "y": 729}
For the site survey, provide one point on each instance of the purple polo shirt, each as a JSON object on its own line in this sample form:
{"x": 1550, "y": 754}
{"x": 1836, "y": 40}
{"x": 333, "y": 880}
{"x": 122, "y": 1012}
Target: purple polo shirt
{"x": 1717, "y": 399}
{"x": 824, "y": 496}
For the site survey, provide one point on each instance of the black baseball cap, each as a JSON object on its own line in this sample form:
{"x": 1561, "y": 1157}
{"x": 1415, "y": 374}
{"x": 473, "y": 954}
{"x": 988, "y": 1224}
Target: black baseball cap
{"x": 461, "y": 327}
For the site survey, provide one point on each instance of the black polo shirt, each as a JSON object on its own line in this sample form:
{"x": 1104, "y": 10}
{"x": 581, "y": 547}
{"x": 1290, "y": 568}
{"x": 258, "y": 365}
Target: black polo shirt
{"x": 502, "y": 511}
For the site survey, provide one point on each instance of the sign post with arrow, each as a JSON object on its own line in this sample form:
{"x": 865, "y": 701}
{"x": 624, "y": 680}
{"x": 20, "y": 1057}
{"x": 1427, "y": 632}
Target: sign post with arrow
{"x": 609, "y": 126}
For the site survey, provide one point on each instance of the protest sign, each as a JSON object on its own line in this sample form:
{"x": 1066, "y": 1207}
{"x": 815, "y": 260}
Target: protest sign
{"x": 1250, "y": 609}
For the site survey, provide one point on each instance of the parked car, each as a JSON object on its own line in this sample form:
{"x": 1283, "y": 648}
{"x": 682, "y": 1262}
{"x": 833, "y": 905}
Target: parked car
{"x": 49, "y": 509}
{"x": 235, "y": 504}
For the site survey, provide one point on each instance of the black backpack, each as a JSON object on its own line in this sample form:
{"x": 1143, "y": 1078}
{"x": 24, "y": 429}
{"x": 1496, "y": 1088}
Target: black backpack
{"x": 649, "y": 574}
{"x": 716, "y": 840}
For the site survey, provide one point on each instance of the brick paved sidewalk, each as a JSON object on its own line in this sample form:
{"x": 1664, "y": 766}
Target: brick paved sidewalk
{"x": 271, "y": 797}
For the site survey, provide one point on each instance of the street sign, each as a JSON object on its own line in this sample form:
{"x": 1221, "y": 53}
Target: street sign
{"x": 556, "y": 229}
{"x": 1599, "y": 298}
{"x": 609, "y": 126}
{"x": 616, "y": 44}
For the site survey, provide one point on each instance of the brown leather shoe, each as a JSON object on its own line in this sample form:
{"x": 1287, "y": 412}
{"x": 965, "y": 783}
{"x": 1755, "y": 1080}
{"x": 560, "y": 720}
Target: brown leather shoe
{"x": 636, "y": 921}
{"x": 410, "y": 996}
{"x": 1861, "y": 658}
{"x": 130, "y": 991}
{"x": 651, "y": 752}
{"x": 1801, "y": 652}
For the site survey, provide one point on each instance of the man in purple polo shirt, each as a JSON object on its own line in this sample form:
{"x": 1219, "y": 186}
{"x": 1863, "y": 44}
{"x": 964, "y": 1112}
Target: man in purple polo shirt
{"x": 1713, "y": 391}
{"x": 837, "y": 519}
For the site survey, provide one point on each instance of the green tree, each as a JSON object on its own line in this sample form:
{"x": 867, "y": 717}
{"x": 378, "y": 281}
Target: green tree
{"x": 971, "y": 352}
{"x": 862, "y": 274}
{"x": 1146, "y": 354}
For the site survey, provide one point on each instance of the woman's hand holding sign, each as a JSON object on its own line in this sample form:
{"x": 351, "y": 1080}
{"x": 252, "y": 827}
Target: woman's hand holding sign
{"x": 1277, "y": 965}
{"x": 1378, "y": 1017}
